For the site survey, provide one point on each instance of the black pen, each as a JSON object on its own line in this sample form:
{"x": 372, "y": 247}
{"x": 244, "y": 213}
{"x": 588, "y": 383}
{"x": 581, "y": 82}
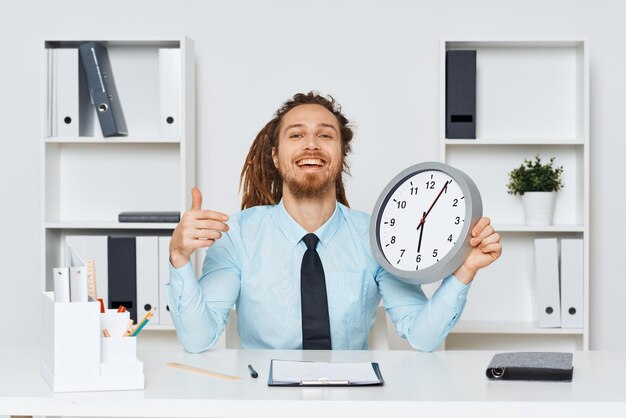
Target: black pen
{"x": 253, "y": 372}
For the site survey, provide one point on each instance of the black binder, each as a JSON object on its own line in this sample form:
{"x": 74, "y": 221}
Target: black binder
{"x": 543, "y": 366}
{"x": 94, "y": 60}
{"x": 122, "y": 255}
{"x": 461, "y": 94}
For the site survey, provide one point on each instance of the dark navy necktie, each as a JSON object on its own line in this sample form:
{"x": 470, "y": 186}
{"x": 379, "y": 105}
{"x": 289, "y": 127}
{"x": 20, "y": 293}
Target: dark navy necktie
{"x": 315, "y": 322}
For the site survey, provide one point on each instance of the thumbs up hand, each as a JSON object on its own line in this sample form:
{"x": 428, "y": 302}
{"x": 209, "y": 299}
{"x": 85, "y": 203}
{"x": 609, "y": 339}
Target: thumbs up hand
{"x": 197, "y": 229}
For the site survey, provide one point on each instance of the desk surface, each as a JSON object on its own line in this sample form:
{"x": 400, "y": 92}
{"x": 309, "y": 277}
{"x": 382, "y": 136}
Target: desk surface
{"x": 446, "y": 383}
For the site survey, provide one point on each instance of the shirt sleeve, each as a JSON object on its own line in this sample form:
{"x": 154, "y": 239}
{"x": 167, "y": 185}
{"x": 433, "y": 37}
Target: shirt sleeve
{"x": 200, "y": 308}
{"x": 424, "y": 322}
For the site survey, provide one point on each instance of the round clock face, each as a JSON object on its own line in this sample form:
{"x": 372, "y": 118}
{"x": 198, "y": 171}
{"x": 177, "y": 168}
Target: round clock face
{"x": 421, "y": 223}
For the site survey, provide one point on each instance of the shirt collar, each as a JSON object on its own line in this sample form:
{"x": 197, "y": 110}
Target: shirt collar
{"x": 294, "y": 232}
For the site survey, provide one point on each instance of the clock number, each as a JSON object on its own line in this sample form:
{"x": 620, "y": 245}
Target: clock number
{"x": 393, "y": 239}
{"x": 430, "y": 184}
{"x": 455, "y": 204}
{"x": 457, "y": 220}
{"x": 402, "y": 253}
{"x": 418, "y": 258}
{"x": 392, "y": 222}
{"x": 402, "y": 204}
{"x": 434, "y": 253}
{"x": 450, "y": 238}
{"x": 414, "y": 190}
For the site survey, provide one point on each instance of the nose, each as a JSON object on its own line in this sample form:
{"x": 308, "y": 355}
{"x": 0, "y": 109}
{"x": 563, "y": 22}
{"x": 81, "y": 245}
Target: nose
{"x": 311, "y": 142}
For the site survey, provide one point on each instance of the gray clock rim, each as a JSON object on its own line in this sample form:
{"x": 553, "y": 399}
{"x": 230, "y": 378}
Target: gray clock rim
{"x": 459, "y": 252}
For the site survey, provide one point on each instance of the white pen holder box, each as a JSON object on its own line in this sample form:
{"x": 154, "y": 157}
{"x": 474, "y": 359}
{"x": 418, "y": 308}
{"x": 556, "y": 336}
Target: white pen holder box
{"x": 114, "y": 322}
{"x": 75, "y": 355}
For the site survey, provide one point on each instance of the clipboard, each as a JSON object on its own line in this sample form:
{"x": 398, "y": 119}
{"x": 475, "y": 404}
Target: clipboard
{"x": 327, "y": 374}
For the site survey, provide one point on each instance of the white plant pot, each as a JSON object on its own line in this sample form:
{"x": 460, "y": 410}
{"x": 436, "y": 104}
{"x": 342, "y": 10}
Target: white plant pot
{"x": 538, "y": 207}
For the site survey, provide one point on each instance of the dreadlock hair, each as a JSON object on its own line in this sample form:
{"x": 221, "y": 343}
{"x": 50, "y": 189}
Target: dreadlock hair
{"x": 260, "y": 181}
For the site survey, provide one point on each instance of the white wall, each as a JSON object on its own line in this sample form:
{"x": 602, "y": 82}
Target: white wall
{"x": 379, "y": 59}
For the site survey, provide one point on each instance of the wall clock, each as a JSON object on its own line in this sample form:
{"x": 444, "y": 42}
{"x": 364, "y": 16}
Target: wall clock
{"x": 421, "y": 224}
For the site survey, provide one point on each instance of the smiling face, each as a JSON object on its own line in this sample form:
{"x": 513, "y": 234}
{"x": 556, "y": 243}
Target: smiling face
{"x": 309, "y": 154}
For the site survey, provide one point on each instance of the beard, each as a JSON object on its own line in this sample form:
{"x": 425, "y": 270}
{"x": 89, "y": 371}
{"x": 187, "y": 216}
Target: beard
{"x": 311, "y": 185}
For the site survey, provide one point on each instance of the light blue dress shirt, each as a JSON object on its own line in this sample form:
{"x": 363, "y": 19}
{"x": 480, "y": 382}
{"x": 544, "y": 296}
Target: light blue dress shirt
{"x": 256, "y": 265}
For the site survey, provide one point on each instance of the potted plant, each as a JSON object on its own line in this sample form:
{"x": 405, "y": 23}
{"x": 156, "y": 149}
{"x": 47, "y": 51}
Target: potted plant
{"x": 537, "y": 183}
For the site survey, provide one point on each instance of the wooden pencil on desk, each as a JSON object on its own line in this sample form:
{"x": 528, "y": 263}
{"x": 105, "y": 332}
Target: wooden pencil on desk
{"x": 202, "y": 371}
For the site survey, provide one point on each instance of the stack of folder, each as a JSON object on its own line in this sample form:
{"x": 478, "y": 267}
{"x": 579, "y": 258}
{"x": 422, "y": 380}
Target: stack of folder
{"x": 132, "y": 272}
{"x": 81, "y": 89}
{"x": 560, "y": 286}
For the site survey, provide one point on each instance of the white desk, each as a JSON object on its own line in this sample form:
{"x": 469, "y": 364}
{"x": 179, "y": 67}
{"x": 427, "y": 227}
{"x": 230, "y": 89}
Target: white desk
{"x": 447, "y": 383}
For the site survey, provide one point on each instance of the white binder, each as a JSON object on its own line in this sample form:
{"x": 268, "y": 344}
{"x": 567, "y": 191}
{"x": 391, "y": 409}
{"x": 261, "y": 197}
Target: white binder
{"x": 94, "y": 247}
{"x": 147, "y": 249}
{"x": 65, "y": 92}
{"x": 78, "y": 284}
{"x": 164, "y": 278}
{"x": 547, "y": 275}
{"x": 169, "y": 92}
{"x": 572, "y": 283}
{"x": 61, "y": 284}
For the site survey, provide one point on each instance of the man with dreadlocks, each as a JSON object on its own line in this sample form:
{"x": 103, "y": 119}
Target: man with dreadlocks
{"x": 296, "y": 261}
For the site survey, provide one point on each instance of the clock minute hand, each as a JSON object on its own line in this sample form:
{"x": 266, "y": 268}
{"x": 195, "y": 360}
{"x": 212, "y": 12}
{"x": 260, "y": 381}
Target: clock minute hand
{"x": 445, "y": 186}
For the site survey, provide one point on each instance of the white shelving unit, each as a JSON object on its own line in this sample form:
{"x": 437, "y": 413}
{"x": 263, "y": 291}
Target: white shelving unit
{"x": 88, "y": 180}
{"x": 532, "y": 97}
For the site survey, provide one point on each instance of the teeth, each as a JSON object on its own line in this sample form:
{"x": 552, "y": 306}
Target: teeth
{"x": 310, "y": 161}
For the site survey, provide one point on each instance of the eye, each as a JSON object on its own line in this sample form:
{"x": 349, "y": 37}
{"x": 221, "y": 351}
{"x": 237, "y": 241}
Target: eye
{"x": 326, "y": 136}
{"x": 295, "y": 135}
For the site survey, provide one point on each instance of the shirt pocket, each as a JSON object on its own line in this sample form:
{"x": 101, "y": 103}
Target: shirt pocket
{"x": 269, "y": 306}
{"x": 347, "y": 308}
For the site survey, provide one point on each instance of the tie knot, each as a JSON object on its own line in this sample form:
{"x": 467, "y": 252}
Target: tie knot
{"x": 311, "y": 241}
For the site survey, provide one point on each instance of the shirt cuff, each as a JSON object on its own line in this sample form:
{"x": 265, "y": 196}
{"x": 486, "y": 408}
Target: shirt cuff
{"x": 452, "y": 291}
{"x": 183, "y": 279}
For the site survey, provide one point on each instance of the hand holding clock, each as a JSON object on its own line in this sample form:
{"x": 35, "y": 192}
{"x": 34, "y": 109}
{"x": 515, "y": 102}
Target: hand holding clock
{"x": 486, "y": 248}
{"x": 458, "y": 235}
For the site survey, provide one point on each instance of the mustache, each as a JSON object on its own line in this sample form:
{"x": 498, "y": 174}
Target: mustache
{"x": 317, "y": 155}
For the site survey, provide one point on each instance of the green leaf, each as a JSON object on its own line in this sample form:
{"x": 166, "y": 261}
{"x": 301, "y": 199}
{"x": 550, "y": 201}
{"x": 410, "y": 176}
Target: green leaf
{"x": 533, "y": 176}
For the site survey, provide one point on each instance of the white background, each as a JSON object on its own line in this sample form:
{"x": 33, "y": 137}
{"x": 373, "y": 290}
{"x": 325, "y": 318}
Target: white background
{"x": 379, "y": 59}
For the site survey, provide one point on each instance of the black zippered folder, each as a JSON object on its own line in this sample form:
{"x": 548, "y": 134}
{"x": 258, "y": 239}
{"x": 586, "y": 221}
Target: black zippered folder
{"x": 538, "y": 366}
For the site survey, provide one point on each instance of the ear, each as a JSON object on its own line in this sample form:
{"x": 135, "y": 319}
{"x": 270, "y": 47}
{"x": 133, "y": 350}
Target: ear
{"x": 274, "y": 157}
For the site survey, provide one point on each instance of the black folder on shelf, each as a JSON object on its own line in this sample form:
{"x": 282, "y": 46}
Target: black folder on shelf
{"x": 318, "y": 373}
{"x": 122, "y": 265}
{"x": 94, "y": 60}
{"x": 539, "y": 366}
{"x": 461, "y": 94}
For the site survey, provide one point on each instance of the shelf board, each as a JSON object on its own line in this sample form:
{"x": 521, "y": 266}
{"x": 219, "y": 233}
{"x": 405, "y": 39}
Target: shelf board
{"x": 174, "y": 42}
{"x": 108, "y": 225}
{"x": 537, "y": 228}
{"x": 111, "y": 140}
{"x": 510, "y": 327}
{"x": 512, "y": 43}
{"x": 510, "y": 141}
